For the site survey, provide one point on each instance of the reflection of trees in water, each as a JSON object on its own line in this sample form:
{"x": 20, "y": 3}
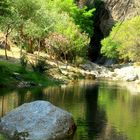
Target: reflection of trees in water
{"x": 98, "y": 125}
{"x": 110, "y": 133}
{"x": 62, "y": 97}
{"x": 1, "y": 105}
{"x": 7, "y": 102}
{"x": 88, "y": 104}
{"x": 95, "y": 117}
{"x": 10, "y": 99}
{"x": 70, "y": 98}
{"x": 121, "y": 112}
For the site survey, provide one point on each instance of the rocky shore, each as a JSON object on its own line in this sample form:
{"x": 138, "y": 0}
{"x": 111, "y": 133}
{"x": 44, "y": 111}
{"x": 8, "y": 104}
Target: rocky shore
{"x": 89, "y": 70}
{"x": 66, "y": 72}
{"x": 127, "y": 75}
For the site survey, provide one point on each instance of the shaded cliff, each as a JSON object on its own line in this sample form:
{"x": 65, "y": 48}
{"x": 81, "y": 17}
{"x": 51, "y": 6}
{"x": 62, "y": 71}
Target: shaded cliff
{"x": 118, "y": 10}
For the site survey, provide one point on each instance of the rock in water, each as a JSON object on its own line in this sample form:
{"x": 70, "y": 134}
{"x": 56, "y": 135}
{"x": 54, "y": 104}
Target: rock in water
{"x": 39, "y": 120}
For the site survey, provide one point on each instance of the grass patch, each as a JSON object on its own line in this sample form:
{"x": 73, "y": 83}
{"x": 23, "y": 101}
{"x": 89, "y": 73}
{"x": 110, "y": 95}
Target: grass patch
{"x": 6, "y": 71}
{"x": 7, "y": 77}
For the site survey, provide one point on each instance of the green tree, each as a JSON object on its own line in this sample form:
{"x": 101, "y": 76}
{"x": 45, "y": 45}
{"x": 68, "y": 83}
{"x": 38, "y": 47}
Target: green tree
{"x": 123, "y": 41}
{"x": 7, "y": 21}
{"x": 35, "y": 22}
{"x": 4, "y": 7}
{"x": 83, "y": 18}
{"x": 70, "y": 41}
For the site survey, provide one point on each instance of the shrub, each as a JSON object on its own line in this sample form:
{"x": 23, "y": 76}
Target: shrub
{"x": 23, "y": 61}
{"x": 39, "y": 66}
{"x": 123, "y": 41}
{"x": 77, "y": 41}
{"x": 67, "y": 42}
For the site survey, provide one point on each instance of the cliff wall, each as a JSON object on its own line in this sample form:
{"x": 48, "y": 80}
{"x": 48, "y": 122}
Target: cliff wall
{"x": 118, "y": 10}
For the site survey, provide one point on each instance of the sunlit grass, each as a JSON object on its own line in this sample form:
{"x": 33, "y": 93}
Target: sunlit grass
{"x": 7, "y": 78}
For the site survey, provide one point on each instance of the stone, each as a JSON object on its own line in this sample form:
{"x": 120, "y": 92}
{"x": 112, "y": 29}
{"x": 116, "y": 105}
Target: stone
{"x": 126, "y": 73}
{"x": 26, "y": 84}
{"x": 38, "y": 120}
{"x": 117, "y": 10}
{"x": 17, "y": 76}
{"x": 131, "y": 78}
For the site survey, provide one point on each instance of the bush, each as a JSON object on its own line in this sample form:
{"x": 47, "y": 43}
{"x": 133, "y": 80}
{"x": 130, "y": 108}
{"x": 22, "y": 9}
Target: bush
{"x": 39, "y": 66}
{"x": 123, "y": 41}
{"x": 67, "y": 42}
{"x": 82, "y": 16}
{"x": 23, "y": 61}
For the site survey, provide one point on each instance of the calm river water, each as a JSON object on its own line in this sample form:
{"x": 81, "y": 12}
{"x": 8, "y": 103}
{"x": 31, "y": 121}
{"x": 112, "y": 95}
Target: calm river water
{"x": 102, "y": 110}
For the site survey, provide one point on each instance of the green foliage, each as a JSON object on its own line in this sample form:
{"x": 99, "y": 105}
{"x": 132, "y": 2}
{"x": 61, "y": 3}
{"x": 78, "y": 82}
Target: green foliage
{"x": 23, "y": 61}
{"x": 83, "y": 18}
{"x": 6, "y": 70}
{"x": 26, "y": 8}
{"x": 6, "y": 15}
{"x": 70, "y": 37}
{"x": 8, "y": 79}
{"x": 79, "y": 60}
{"x": 109, "y": 48}
{"x": 76, "y": 41}
{"x": 36, "y": 20}
{"x": 61, "y": 5}
{"x": 4, "y": 8}
{"x": 34, "y": 24}
{"x": 67, "y": 41}
{"x": 39, "y": 66}
{"x": 33, "y": 21}
{"x": 3, "y": 70}
{"x": 123, "y": 41}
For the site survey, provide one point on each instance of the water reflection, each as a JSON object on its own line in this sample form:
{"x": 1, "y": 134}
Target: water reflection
{"x": 101, "y": 111}
{"x": 95, "y": 118}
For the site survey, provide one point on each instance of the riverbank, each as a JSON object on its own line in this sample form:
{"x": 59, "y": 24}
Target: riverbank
{"x": 60, "y": 72}
{"x": 13, "y": 75}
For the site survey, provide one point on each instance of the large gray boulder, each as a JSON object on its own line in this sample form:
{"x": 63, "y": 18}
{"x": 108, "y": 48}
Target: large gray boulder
{"x": 39, "y": 120}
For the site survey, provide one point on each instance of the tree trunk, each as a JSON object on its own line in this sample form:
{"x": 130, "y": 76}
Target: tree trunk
{"x": 6, "y": 41}
{"x": 38, "y": 49}
{"x": 30, "y": 45}
{"x": 21, "y": 32}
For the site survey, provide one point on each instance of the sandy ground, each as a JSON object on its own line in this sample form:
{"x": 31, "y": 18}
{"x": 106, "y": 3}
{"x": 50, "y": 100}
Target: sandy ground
{"x": 13, "y": 54}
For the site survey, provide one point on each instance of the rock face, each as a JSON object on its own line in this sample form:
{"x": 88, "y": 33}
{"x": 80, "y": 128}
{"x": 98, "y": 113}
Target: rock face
{"x": 118, "y": 10}
{"x": 39, "y": 120}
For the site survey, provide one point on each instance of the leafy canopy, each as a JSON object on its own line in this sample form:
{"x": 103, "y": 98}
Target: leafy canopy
{"x": 62, "y": 22}
{"x": 123, "y": 41}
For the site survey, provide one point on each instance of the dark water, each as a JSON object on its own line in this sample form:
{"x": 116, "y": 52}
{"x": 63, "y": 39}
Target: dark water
{"x": 102, "y": 111}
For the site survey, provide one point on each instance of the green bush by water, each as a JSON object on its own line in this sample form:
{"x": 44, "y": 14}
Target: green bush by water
{"x": 123, "y": 41}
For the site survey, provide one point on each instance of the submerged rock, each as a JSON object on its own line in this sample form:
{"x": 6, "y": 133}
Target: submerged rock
{"x": 39, "y": 120}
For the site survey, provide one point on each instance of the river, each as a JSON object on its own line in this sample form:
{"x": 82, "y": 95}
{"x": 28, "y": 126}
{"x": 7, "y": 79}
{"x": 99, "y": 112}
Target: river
{"x": 102, "y": 110}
